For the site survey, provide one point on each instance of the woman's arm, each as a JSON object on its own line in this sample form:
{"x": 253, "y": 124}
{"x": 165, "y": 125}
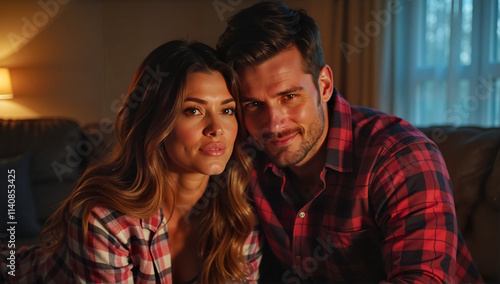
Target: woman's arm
{"x": 103, "y": 257}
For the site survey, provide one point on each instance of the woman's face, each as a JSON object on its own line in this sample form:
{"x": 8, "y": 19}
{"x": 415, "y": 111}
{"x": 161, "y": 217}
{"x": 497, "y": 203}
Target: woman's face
{"x": 203, "y": 136}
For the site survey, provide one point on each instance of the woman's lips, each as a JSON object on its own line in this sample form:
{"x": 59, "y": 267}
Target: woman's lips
{"x": 214, "y": 149}
{"x": 283, "y": 141}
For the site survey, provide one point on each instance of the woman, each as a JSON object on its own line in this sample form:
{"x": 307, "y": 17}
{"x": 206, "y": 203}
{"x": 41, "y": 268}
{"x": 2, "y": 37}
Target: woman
{"x": 169, "y": 204}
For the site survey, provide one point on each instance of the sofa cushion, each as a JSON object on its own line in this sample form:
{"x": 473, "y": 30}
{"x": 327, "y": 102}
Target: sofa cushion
{"x": 56, "y": 149}
{"x": 52, "y": 142}
{"x": 470, "y": 154}
{"x": 17, "y": 198}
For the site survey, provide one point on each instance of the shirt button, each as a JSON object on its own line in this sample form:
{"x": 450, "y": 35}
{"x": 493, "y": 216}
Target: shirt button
{"x": 298, "y": 257}
{"x": 302, "y": 214}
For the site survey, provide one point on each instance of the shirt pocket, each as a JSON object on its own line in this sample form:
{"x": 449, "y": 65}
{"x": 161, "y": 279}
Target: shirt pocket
{"x": 354, "y": 255}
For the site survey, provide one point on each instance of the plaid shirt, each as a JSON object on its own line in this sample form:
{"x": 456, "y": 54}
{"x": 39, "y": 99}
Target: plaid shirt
{"x": 383, "y": 210}
{"x": 120, "y": 249}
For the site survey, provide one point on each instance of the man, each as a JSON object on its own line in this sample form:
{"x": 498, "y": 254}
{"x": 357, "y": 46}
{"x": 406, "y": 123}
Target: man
{"x": 344, "y": 193}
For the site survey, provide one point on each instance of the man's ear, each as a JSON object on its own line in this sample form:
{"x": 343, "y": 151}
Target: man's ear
{"x": 325, "y": 83}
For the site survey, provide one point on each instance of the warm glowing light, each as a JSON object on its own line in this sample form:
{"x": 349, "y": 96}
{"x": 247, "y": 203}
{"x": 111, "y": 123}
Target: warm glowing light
{"x": 10, "y": 109}
{"x": 5, "y": 84}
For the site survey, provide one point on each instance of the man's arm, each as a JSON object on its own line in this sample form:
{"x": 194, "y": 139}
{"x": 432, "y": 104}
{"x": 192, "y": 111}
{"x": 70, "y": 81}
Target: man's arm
{"x": 414, "y": 207}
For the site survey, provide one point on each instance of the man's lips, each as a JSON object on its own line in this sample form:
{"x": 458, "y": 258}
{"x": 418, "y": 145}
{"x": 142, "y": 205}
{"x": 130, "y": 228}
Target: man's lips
{"x": 282, "y": 141}
{"x": 214, "y": 149}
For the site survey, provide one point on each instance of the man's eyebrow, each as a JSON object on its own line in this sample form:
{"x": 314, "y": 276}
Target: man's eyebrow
{"x": 204, "y": 102}
{"x": 291, "y": 90}
{"x": 244, "y": 99}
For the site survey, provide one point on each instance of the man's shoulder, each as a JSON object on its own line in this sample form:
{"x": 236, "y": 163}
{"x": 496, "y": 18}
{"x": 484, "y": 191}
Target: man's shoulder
{"x": 375, "y": 128}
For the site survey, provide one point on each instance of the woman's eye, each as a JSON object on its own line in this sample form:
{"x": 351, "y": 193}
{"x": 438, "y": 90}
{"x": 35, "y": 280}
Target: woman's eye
{"x": 192, "y": 111}
{"x": 229, "y": 111}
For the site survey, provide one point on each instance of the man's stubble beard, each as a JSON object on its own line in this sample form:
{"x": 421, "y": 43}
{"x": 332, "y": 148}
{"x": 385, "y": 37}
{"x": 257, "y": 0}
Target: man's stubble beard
{"x": 284, "y": 159}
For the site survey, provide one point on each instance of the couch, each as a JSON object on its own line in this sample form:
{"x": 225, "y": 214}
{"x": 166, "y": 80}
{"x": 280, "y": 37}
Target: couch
{"x": 49, "y": 154}
{"x": 45, "y": 157}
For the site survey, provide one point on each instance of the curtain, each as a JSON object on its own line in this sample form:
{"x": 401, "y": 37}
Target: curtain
{"x": 351, "y": 34}
{"x": 441, "y": 63}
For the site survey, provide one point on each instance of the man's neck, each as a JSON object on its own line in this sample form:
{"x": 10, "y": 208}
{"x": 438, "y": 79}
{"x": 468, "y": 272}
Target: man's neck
{"x": 311, "y": 169}
{"x": 305, "y": 177}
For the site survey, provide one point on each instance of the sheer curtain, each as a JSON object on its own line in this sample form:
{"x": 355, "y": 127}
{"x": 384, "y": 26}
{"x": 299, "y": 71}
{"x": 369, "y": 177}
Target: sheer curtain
{"x": 441, "y": 63}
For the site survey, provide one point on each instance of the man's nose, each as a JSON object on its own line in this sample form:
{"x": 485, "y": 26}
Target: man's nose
{"x": 276, "y": 120}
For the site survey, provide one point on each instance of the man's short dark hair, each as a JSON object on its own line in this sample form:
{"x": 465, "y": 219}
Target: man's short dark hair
{"x": 260, "y": 32}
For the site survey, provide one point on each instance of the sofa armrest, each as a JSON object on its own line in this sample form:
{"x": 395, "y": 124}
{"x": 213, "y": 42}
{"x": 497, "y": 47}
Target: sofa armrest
{"x": 472, "y": 155}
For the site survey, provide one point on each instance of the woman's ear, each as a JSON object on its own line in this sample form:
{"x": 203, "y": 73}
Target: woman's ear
{"x": 325, "y": 83}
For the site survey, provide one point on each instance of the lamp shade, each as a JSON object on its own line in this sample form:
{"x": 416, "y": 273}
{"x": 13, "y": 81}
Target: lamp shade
{"x": 5, "y": 85}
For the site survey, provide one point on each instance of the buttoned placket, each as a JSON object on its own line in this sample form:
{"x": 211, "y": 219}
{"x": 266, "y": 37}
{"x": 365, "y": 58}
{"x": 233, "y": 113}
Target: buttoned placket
{"x": 163, "y": 261}
{"x": 301, "y": 221}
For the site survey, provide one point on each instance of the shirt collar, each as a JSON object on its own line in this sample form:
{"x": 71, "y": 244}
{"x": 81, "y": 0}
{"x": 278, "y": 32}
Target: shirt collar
{"x": 339, "y": 145}
{"x": 154, "y": 222}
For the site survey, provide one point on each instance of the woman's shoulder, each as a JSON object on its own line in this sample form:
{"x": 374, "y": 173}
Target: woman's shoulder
{"x": 106, "y": 216}
{"x": 115, "y": 222}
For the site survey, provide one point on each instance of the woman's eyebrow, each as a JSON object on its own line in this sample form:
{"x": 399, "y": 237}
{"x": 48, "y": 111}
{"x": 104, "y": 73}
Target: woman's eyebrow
{"x": 228, "y": 101}
{"x": 197, "y": 100}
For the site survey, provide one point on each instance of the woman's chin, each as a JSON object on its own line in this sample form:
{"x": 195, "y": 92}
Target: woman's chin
{"x": 216, "y": 169}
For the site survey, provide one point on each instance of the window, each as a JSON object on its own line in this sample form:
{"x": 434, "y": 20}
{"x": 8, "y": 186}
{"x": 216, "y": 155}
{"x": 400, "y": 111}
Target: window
{"x": 445, "y": 62}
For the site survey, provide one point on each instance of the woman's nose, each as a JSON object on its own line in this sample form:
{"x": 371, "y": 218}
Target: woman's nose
{"x": 214, "y": 128}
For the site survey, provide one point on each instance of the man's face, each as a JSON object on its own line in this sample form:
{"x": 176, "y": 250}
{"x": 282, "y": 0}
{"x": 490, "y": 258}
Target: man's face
{"x": 282, "y": 108}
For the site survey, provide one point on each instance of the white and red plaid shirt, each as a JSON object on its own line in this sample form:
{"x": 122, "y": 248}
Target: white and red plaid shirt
{"x": 119, "y": 249}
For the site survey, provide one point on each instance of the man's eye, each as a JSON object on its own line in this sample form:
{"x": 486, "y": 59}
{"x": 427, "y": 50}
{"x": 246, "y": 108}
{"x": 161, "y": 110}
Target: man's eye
{"x": 289, "y": 96}
{"x": 192, "y": 111}
{"x": 228, "y": 111}
{"x": 252, "y": 105}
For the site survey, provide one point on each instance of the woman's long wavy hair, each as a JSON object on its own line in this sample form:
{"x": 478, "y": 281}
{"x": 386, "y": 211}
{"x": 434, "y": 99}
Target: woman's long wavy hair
{"x": 134, "y": 179}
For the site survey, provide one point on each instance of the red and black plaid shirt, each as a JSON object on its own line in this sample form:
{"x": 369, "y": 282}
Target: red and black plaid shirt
{"x": 384, "y": 209}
